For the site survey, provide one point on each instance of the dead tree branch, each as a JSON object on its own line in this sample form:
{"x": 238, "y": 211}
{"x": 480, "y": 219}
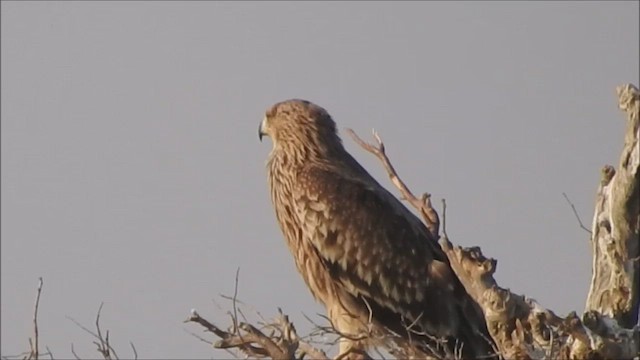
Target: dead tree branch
{"x": 35, "y": 347}
{"x": 102, "y": 342}
{"x": 281, "y": 343}
{"x": 615, "y": 238}
{"x": 575, "y": 213}
{"x": 34, "y": 342}
{"x": 423, "y": 204}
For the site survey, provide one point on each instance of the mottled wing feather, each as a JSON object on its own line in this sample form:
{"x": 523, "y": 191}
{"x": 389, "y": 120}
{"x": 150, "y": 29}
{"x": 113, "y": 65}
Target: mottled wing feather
{"x": 372, "y": 246}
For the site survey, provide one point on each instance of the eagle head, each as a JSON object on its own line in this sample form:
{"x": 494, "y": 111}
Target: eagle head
{"x": 297, "y": 121}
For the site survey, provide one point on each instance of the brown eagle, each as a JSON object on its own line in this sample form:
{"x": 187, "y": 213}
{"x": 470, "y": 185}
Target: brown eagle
{"x": 362, "y": 253}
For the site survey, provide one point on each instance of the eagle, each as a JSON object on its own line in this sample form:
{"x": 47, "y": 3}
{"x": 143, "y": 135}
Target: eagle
{"x": 367, "y": 258}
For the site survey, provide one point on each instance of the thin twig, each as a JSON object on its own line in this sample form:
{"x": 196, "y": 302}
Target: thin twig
{"x": 101, "y": 347}
{"x": 382, "y": 357}
{"x": 198, "y": 337}
{"x": 104, "y": 347}
{"x": 82, "y": 327}
{"x": 35, "y": 350}
{"x": 422, "y": 204}
{"x": 22, "y": 355}
{"x": 575, "y": 212}
{"x": 230, "y": 298}
{"x": 73, "y": 351}
{"x": 135, "y": 352}
{"x": 235, "y": 307}
{"x": 444, "y": 218}
{"x": 238, "y": 301}
{"x": 244, "y": 318}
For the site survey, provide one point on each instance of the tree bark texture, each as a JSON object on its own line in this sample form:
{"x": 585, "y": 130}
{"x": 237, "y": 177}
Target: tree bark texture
{"x": 615, "y": 238}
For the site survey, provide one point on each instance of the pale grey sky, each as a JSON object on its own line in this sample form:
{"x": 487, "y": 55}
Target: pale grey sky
{"x": 132, "y": 173}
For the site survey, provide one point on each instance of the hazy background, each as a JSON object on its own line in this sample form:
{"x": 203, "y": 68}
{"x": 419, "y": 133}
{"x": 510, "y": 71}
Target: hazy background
{"x": 132, "y": 173}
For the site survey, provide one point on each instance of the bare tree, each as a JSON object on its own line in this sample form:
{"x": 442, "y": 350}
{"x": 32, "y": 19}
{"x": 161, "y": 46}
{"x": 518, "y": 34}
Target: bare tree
{"x": 520, "y": 327}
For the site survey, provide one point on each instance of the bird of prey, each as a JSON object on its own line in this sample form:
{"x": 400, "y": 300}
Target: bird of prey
{"x": 367, "y": 258}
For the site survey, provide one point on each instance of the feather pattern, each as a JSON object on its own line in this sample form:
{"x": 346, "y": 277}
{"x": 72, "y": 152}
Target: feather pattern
{"x": 360, "y": 251}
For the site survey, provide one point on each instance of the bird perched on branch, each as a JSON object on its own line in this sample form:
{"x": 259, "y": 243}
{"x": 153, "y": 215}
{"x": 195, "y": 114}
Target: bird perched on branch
{"x": 362, "y": 253}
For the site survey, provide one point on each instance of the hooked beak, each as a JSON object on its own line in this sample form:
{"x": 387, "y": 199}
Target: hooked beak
{"x": 261, "y": 131}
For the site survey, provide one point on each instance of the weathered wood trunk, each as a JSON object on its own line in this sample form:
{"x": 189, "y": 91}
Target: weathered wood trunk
{"x": 615, "y": 237}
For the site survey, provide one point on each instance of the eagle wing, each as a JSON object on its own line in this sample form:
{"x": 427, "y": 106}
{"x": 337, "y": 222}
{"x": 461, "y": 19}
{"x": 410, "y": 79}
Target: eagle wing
{"x": 373, "y": 246}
